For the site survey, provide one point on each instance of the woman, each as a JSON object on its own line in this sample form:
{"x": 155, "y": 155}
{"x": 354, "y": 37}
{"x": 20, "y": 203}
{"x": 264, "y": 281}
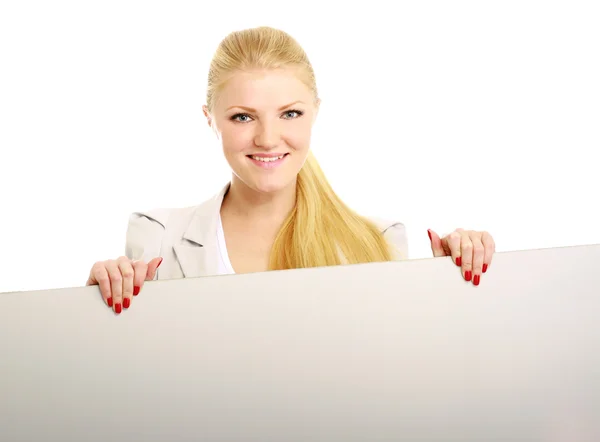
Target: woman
{"x": 278, "y": 211}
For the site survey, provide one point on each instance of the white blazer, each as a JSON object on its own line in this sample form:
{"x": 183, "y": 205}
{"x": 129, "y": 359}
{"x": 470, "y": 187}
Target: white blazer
{"x": 186, "y": 238}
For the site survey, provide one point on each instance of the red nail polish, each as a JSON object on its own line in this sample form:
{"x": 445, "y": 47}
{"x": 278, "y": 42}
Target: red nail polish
{"x": 109, "y": 302}
{"x": 126, "y": 302}
{"x": 136, "y": 290}
{"x": 468, "y": 275}
{"x": 458, "y": 261}
{"x": 484, "y": 268}
{"x": 118, "y": 308}
{"x": 159, "y": 263}
{"x": 476, "y": 279}
{"x": 429, "y": 233}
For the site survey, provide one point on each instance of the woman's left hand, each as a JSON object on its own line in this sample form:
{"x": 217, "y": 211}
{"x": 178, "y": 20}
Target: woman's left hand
{"x": 469, "y": 249}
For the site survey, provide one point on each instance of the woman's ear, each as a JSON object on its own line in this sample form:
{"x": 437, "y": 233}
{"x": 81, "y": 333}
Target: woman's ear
{"x": 207, "y": 115}
{"x": 210, "y": 121}
{"x": 317, "y": 107}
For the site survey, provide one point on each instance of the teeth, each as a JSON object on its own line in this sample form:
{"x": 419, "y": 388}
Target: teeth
{"x": 267, "y": 160}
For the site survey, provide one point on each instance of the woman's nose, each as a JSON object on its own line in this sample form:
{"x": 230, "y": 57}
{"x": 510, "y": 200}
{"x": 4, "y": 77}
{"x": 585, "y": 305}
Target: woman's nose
{"x": 268, "y": 135}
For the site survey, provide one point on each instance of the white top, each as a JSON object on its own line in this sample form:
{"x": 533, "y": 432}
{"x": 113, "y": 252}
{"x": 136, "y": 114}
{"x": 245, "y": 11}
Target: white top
{"x": 225, "y": 267}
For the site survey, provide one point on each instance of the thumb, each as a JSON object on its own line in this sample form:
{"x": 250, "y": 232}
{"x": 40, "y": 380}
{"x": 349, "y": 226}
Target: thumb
{"x": 152, "y": 267}
{"x": 436, "y": 244}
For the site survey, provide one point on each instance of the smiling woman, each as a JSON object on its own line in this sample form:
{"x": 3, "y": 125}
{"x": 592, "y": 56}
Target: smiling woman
{"x": 278, "y": 211}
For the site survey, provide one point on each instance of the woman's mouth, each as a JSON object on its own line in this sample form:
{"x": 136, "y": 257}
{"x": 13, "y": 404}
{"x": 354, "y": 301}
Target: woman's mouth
{"x": 267, "y": 161}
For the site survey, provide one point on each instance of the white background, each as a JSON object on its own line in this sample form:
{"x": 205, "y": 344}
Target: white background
{"x": 479, "y": 114}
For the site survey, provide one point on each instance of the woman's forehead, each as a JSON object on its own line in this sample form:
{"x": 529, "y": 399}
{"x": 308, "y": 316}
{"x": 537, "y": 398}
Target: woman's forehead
{"x": 265, "y": 88}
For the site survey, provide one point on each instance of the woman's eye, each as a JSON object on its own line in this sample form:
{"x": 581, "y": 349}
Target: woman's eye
{"x": 292, "y": 114}
{"x": 288, "y": 115}
{"x": 242, "y": 118}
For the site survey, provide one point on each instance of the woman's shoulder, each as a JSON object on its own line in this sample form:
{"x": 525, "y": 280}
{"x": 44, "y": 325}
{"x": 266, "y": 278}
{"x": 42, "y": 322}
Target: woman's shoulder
{"x": 160, "y": 216}
{"x": 150, "y": 231}
{"x": 395, "y": 234}
{"x": 147, "y": 230}
{"x": 385, "y": 225}
{"x": 176, "y": 218}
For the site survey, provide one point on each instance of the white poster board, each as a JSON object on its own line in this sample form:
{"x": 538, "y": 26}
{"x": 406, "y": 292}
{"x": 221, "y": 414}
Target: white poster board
{"x": 378, "y": 352}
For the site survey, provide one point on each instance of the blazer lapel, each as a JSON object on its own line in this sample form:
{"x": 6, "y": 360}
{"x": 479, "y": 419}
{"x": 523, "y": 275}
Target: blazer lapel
{"x": 198, "y": 253}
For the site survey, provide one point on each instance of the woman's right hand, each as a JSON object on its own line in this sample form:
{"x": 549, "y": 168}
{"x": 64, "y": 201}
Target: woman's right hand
{"x": 121, "y": 279}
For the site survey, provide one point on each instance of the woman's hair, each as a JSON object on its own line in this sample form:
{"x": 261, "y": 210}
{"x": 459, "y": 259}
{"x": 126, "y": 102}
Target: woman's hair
{"x": 321, "y": 226}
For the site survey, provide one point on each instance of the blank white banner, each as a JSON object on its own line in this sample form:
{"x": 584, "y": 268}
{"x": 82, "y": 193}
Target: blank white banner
{"x": 394, "y": 351}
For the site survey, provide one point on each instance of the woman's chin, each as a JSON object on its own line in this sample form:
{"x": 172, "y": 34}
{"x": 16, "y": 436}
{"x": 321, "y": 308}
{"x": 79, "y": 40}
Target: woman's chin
{"x": 270, "y": 184}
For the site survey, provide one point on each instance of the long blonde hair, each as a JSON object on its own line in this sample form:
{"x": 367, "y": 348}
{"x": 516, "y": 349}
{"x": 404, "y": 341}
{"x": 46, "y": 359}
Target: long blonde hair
{"x": 321, "y": 230}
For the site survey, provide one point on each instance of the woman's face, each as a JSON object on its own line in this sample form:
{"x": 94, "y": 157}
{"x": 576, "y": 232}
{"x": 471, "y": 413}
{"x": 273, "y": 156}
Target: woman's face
{"x": 264, "y": 121}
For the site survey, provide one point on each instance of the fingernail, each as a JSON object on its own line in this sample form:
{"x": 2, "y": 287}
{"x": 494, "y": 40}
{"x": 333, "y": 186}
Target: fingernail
{"x": 159, "y": 263}
{"x": 476, "y": 280}
{"x": 118, "y": 308}
{"x": 468, "y": 275}
{"x": 429, "y": 233}
{"x": 109, "y": 302}
{"x": 458, "y": 261}
{"x": 484, "y": 268}
{"x": 136, "y": 290}
{"x": 126, "y": 302}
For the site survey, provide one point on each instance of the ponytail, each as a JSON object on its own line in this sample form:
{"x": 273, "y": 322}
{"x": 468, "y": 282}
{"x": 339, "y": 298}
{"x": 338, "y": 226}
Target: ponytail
{"x": 322, "y": 231}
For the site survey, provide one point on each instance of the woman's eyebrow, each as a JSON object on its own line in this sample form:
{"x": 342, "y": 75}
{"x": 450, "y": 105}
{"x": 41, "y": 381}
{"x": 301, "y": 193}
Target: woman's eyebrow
{"x": 249, "y": 109}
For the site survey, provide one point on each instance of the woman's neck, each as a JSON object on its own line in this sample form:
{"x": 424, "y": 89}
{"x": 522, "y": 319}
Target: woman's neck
{"x": 258, "y": 207}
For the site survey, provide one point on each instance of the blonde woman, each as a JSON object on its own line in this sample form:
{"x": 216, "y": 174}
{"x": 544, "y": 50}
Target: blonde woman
{"x": 278, "y": 211}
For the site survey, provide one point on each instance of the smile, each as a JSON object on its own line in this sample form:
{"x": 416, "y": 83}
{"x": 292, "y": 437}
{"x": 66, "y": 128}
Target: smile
{"x": 267, "y": 162}
{"x": 267, "y": 159}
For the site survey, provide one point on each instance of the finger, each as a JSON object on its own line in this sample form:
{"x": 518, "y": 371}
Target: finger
{"x": 453, "y": 243}
{"x": 127, "y": 274}
{"x": 139, "y": 269}
{"x": 466, "y": 247}
{"x": 153, "y": 266}
{"x": 116, "y": 285}
{"x": 478, "y": 256}
{"x": 144, "y": 272}
{"x": 490, "y": 249}
{"x": 436, "y": 244}
{"x": 99, "y": 276}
